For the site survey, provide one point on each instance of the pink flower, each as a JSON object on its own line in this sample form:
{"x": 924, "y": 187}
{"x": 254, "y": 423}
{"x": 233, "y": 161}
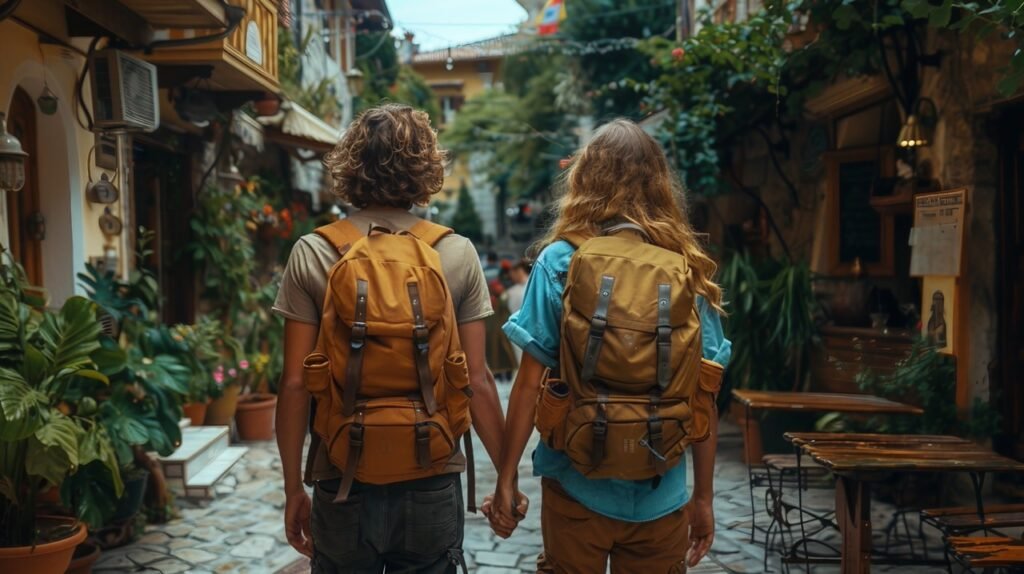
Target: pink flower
{"x": 233, "y": 373}
{"x": 244, "y": 364}
{"x": 218, "y": 377}
{"x": 219, "y": 369}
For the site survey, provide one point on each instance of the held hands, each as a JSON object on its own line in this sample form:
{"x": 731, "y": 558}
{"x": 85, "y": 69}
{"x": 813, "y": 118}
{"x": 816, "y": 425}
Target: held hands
{"x": 702, "y": 529}
{"x": 499, "y": 510}
{"x": 297, "y": 526}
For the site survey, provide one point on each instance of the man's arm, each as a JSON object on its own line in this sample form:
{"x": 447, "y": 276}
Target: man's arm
{"x": 488, "y": 418}
{"x": 292, "y": 424}
{"x": 702, "y": 516}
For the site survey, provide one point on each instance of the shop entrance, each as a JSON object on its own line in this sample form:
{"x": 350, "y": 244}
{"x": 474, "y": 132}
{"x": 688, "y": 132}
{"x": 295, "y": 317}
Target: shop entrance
{"x": 25, "y": 223}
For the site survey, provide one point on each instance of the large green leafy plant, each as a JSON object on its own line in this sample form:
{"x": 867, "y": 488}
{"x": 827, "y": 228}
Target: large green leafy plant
{"x": 772, "y": 311}
{"x": 48, "y": 433}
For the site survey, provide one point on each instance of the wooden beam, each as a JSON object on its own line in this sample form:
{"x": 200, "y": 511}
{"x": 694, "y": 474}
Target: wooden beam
{"x": 111, "y": 17}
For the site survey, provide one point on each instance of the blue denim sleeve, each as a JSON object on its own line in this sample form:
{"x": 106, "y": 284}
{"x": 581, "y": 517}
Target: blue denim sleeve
{"x": 716, "y": 347}
{"x": 535, "y": 328}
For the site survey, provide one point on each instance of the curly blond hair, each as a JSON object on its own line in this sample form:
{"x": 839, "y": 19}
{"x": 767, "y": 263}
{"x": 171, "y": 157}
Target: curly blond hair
{"x": 622, "y": 174}
{"x": 388, "y": 157}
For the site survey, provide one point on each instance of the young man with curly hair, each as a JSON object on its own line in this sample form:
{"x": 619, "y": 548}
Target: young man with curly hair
{"x": 387, "y": 162}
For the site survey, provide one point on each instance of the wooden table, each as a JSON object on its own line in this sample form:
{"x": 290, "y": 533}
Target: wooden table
{"x": 799, "y": 402}
{"x": 857, "y": 459}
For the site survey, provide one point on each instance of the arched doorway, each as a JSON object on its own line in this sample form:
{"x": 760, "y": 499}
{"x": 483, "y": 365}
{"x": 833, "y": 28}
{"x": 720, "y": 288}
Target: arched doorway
{"x": 23, "y": 209}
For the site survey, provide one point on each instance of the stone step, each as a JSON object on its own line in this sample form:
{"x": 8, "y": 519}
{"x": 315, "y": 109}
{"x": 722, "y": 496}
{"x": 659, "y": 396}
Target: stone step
{"x": 184, "y": 423}
{"x": 199, "y": 447}
{"x": 202, "y": 484}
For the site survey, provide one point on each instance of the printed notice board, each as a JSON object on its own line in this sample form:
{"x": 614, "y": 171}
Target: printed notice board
{"x": 937, "y": 237}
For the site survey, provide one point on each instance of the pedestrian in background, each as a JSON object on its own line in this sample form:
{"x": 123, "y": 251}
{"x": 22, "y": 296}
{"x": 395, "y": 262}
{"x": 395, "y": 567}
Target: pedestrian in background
{"x": 620, "y": 184}
{"x": 519, "y": 276}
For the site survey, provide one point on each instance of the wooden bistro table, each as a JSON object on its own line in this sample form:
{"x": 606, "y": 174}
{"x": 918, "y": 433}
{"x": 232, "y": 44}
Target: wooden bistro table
{"x": 802, "y": 402}
{"x": 858, "y": 459}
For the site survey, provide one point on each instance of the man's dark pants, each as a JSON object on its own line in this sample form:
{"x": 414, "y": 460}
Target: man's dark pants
{"x": 409, "y": 527}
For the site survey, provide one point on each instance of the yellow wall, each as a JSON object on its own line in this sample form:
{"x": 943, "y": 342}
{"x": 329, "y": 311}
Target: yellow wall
{"x": 73, "y": 234}
{"x": 466, "y": 71}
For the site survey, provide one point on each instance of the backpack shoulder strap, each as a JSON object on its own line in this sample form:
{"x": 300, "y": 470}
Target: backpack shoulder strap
{"x": 341, "y": 234}
{"x": 575, "y": 239}
{"x": 430, "y": 232}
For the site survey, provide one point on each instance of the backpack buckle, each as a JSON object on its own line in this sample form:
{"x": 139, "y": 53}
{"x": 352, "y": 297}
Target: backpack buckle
{"x": 600, "y": 428}
{"x": 355, "y": 435}
{"x": 358, "y": 334}
{"x": 421, "y": 338}
{"x": 598, "y": 325}
{"x": 664, "y": 333}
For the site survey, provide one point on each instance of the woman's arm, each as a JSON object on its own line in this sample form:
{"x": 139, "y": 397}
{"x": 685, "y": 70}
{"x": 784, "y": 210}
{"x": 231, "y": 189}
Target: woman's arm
{"x": 292, "y": 423}
{"x": 488, "y": 420}
{"x": 522, "y": 405}
{"x": 701, "y": 508}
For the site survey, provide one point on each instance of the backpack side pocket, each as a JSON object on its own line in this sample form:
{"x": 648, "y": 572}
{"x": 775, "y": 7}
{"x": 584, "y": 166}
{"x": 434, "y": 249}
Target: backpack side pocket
{"x": 316, "y": 374}
{"x": 552, "y": 409}
{"x": 457, "y": 393}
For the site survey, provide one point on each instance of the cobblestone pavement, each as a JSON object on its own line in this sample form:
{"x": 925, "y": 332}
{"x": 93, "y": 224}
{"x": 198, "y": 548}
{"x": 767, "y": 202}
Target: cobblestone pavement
{"x": 242, "y": 530}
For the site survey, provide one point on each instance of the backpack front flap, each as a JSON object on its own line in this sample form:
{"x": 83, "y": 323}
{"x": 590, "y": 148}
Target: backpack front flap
{"x": 630, "y": 353}
{"x": 388, "y": 373}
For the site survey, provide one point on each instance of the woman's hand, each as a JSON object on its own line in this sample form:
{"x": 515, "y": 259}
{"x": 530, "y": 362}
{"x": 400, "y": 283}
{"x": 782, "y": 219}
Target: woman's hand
{"x": 702, "y": 529}
{"x": 504, "y": 514}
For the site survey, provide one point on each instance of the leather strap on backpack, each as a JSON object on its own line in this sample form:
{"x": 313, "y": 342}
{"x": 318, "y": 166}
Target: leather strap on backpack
{"x": 341, "y": 234}
{"x": 421, "y": 350}
{"x": 357, "y": 343}
{"x": 355, "y": 451}
{"x": 600, "y": 426}
{"x": 598, "y": 323}
{"x": 664, "y": 335}
{"x": 467, "y": 440}
{"x": 655, "y": 437}
{"x": 429, "y": 232}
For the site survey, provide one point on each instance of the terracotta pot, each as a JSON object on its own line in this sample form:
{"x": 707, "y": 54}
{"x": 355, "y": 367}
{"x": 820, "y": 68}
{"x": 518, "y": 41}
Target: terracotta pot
{"x": 48, "y": 558}
{"x": 84, "y": 557}
{"x": 196, "y": 412}
{"x": 267, "y": 106}
{"x": 255, "y": 417}
{"x": 222, "y": 410}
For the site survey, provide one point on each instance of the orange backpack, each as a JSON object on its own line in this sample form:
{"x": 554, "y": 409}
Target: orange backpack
{"x": 388, "y": 373}
{"x": 634, "y": 390}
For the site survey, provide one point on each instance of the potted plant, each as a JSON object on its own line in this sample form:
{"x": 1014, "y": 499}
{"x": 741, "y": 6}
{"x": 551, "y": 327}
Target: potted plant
{"x": 197, "y": 344}
{"x": 45, "y": 435}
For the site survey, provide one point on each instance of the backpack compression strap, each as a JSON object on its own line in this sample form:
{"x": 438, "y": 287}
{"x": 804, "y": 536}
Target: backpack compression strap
{"x": 341, "y": 234}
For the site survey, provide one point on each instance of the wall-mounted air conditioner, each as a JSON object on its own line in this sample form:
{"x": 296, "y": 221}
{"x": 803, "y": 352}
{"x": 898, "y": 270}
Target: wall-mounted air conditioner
{"x": 124, "y": 92}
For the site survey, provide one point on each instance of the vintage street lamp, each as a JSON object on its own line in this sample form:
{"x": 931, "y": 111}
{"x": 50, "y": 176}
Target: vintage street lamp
{"x": 355, "y": 81}
{"x": 917, "y": 131}
{"x": 12, "y": 159}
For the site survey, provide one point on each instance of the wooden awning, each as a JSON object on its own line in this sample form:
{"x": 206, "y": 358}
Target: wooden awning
{"x": 179, "y": 13}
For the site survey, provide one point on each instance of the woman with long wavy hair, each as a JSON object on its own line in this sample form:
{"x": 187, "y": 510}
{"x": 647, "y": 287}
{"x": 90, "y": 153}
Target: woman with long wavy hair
{"x": 655, "y": 525}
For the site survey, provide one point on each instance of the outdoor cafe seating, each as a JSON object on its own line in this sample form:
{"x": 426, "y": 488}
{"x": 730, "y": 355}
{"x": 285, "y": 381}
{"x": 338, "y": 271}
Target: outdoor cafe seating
{"x": 976, "y": 537}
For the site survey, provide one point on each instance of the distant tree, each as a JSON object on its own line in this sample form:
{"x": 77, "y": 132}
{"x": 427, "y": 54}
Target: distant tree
{"x": 386, "y": 79}
{"x": 465, "y": 220}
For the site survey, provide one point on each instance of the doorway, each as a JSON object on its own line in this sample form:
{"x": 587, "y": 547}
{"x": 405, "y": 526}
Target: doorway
{"x": 1011, "y": 282}
{"x": 23, "y": 210}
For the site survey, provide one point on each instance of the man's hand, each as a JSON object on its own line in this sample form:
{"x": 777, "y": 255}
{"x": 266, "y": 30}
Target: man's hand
{"x": 297, "y": 523}
{"x": 702, "y": 529}
{"x": 504, "y": 523}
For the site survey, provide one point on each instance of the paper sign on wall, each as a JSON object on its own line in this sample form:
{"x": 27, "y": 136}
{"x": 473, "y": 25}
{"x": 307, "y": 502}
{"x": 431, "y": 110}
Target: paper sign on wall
{"x": 937, "y": 237}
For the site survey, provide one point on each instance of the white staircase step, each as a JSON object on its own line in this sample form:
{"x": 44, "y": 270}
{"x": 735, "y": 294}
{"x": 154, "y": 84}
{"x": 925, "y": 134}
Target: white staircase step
{"x": 199, "y": 446}
{"x": 202, "y": 484}
{"x": 184, "y": 423}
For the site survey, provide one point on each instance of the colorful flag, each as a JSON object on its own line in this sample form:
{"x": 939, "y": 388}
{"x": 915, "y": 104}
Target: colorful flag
{"x": 550, "y": 17}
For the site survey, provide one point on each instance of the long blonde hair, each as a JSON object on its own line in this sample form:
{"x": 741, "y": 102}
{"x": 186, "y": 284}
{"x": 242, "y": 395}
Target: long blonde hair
{"x": 623, "y": 175}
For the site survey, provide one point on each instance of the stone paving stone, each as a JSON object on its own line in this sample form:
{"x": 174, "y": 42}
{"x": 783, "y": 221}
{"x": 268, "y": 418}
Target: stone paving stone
{"x": 195, "y": 556}
{"x": 254, "y": 547}
{"x": 505, "y": 559}
{"x": 114, "y": 562}
{"x": 497, "y": 570}
{"x": 170, "y": 566}
{"x": 144, "y": 557}
{"x": 156, "y": 538}
{"x": 207, "y": 534}
{"x": 477, "y": 544}
{"x": 177, "y": 530}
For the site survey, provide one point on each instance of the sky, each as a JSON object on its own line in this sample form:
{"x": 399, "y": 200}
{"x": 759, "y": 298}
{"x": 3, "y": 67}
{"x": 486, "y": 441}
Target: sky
{"x": 442, "y": 23}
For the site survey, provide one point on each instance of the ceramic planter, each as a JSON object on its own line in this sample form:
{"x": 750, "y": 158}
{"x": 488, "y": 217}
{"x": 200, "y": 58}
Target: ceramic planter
{"x": 49, "y": 558}
{"x": 255, "y": 417}
{"x": 222, "y": 410}
{"x": 267, "y": 106}
{"x": 84, "y": 557}
{"x": 196, "y": 412}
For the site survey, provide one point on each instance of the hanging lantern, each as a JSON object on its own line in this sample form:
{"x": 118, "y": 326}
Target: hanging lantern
{"x": 355, "y": 81}
{"x": 12, "y": 159}
{"x": 919, "y": 128}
